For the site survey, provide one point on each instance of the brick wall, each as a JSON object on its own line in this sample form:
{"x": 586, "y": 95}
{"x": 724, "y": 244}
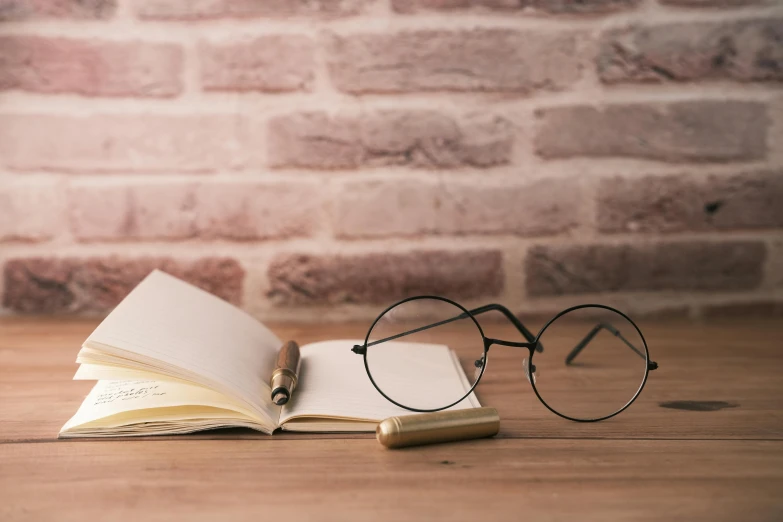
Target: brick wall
{"x": 316, "y": 159}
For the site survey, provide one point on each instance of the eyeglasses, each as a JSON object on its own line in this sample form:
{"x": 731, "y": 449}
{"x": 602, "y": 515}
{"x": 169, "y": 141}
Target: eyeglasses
{"x": 588, "y": 363}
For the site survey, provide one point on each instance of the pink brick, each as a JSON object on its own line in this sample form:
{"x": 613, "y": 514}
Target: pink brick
{"x": 30, "y": 211}
{"x": 474, "y": 60}
{"x": 383, "y": 278}
{"x": 539, "y": 208}
{"x": 414, "y": 207}
{"x": 238, "y": 210}
{"x": 90, "y": 67}
{"x": 127, "y": 143}
{"x": 15, "y": 10}
{"x": 258, "y": 210}
{"x": 508, "y": 6}
{"x": 744, "y": 50}
{"x": 210, "y": 9}
{"x": 268, "y": 64}
{"x": 421, "y": 138}
{"x": 687, "y": 266}
{"x": 716, "y": 3}
{"x": 99, "y": 212}
{"x": 681, "y": 131}
{"x": 72, "y": 285}
{"x": 774, "y": 276}
{"x": 117, "y": 212}
{"x": 744, "y": 310}
{"x": 750, "y": 200}
{"x": 386, "y": 208}
{"x": 160, "y": 211}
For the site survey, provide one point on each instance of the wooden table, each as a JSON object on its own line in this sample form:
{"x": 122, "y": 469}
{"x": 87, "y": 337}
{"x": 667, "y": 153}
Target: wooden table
{"x": 649, "y": 463}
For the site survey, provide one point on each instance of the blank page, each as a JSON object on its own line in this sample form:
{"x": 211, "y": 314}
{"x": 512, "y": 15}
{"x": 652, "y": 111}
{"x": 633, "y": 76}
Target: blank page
{"x": 334, "y": 383}
{"x": 171, "y": 324}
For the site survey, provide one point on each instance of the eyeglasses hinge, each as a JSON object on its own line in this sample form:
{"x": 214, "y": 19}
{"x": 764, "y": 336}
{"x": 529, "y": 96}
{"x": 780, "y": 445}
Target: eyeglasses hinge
{"x": 652, "y": 365}
{"x": 359, "y": 349}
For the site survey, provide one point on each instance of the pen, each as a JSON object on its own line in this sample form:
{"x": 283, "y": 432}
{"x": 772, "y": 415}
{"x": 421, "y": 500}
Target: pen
{"x": 283, "y": 381}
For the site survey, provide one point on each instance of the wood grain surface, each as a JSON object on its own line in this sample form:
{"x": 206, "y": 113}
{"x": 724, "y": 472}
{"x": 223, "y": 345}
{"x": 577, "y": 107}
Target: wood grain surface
{"x": 648, "y": 463}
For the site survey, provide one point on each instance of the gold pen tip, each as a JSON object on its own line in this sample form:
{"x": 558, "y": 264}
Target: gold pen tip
{"x": 280, "y": 398}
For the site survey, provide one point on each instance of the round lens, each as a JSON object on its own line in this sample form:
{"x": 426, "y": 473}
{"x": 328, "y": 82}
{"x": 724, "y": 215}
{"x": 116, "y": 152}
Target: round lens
{"x": 593, "y": 363}
{"x": 411, "y": 355}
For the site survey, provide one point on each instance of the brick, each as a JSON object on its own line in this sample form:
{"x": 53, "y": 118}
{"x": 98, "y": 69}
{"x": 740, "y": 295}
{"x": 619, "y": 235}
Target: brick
{"x": 213, "y": 9}
{"x": 267, "y": 64}
{"x": 411, "y": 207}
{"x": 386, "y": 208}
{"x": 680, "y": 131}
{"x": 697, "y": 266}
{"x": 416, "y": 138}
{"x": 101, "y": 212}
{"x": 642, "y": 312}
{"x": 677, "y": 203}
{"x": 154, "y": 211}
{"x": 118, "y": 212}
{"x": 749, "y": 50}
{"x": 715, "y": 3}
{"x": 220, "y": 276}
{"x": 228, "y": 210}
{"x": 383, "y": 277}
{"x": 755, "y": 309}
{"x": 472, "y": 60}
{"x": 72, "y": 285}
{"x": 547, "y": 6}
{"x": 17, "y": 10}
{"x": 775, "y": 137}
{"x": 30, "y": 211}
{"x": 314, "y": 140}
{"x": 127, "y": 143}
{"x": 257, "y": 210}
{"x": 90, "y": 67}
{"x": 774, "y": 276}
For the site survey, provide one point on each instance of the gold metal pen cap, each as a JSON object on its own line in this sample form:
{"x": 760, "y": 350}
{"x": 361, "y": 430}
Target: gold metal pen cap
{"x": 284, "y": 378}
{"x": 442, "y": 426}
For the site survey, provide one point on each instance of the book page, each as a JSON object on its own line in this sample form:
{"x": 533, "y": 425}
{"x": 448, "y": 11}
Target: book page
{"x": 171, "y": 327}
{"x": 114, "y": 404}
{"x": 334, "y": 383}
{"x": 100, "y": 372}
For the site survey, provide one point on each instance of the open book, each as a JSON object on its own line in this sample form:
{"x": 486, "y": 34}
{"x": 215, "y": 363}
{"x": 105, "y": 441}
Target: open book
{"x": 171, "y": 358}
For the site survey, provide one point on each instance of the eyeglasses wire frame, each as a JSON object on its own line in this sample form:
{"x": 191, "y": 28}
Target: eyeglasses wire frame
{"x": 533, "y": 345}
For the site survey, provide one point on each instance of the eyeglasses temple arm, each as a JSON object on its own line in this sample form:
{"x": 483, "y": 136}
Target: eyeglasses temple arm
{"x": 416, "y": 330}
{"x": 614, "y": 331}
{"x": 476, "y": 311}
